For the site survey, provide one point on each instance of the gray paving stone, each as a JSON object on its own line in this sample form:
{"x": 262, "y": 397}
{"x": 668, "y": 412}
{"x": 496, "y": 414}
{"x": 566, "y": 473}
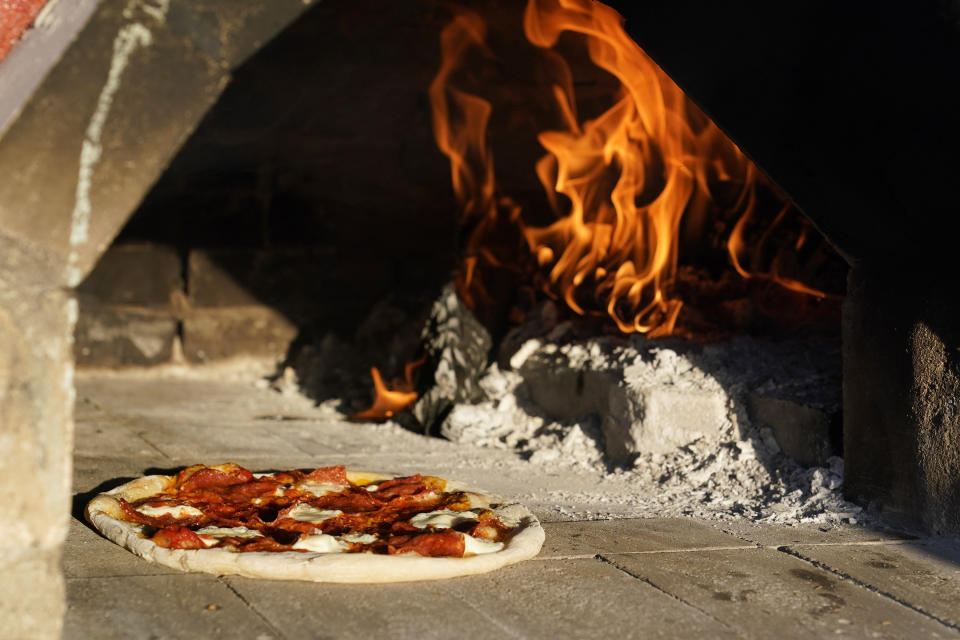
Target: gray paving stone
{"x": 535, "y": 599}
{"x": 776, "y": 535}
{"x": 162, "y": 606}
{"x": 633, "y": 535}
{"x": 754, "y": 591}
{"x": 198, "y": 440}
{"x": 765, "y": 593}
{"x": 88, "y": 555}
{"x": 925, "y": 574}
{"x": 103, "y": 473}
{"x": 103, "y": 436}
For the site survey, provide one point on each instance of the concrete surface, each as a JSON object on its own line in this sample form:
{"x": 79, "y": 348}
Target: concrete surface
{"x": 36, "y": 436}
{"x": 901, "y": 382}
{"x": 669, "y": 578}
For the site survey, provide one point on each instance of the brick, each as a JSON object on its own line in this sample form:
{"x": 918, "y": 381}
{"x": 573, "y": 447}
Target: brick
{"x": 805, "y": 433}
{"x": 129, "y": 306}
{"x": 303, "y": 284}
{"x": 254, "y": 302}
{"x": 901, "y": 381}
{"x": 214, "y": 334}
{"x": 639, "y": 415}
{"x": 137, "y": 274}
{"x": 110, "y": 337}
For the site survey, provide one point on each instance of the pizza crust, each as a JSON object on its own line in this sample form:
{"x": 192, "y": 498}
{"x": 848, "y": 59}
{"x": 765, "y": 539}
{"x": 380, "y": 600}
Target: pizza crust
{"x": 104, "y": 513}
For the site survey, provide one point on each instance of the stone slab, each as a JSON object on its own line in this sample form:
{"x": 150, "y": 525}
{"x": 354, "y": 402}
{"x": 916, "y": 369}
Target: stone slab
{"x": 926, "y": 574}
{"x": 161, "y": 606}
{"x": 565, "y": 590}
{"x": 811, "y": 533}
{"x": 198, "y": 439}
{"x": 88, "y": 555}
{"x": 633, "y": 536}
{"x": 111, "y": 437}
{"x": 763, "y": 592}
{"x": 542, "y": 599}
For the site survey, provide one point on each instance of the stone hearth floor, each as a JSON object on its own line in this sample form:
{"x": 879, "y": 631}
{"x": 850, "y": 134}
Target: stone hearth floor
{"x": 614, "y": 578}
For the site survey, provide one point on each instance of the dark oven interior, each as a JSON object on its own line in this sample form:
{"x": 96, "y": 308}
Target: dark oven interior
{"x": 310, "y": 216}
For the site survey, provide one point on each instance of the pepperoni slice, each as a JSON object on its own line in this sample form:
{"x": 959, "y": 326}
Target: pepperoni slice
{"x": 441, "y": 544}
{"x": 411, "y": 485}
{"x": 262, "y": 488}
{"x": 210, "y": 477}
{"x": 177, "y": 537}
{"x": 352, "y": 500}
{"x": 333, "y": 475}
{"x": 489, "y": 528}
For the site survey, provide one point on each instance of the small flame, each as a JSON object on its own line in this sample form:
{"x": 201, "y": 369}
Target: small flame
{"x": 629, "y": 176}
{"x": 387, "y": 402}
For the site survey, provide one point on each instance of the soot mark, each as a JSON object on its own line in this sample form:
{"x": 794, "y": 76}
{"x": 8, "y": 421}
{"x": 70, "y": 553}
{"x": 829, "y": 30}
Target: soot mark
{"x": 812, "y": 576}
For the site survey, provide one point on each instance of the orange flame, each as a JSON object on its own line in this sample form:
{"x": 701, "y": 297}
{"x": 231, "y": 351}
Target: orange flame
{"x": 630, "y": 175}
{"x": 387, "y": 402}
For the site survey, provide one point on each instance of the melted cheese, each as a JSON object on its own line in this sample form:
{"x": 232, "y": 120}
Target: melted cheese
{"x": 442, "y": 519}
{"x": 175, "y": 510}
{"x": 478, "y": 546}
{"x": 211, "y": 535}
{"x": 321, "y": 543}
{"x": 229, "y": 532}
{"x": 360, "y": 538}
{"x": 319, "y": 488}
{"x": 306, "y": 513}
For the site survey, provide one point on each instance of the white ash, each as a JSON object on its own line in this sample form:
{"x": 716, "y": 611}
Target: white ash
{"x": 729, "y": 469}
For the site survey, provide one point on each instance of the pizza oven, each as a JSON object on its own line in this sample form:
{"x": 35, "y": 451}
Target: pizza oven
{"x": 412, "y": 212}
{"x": 321, "y": 214}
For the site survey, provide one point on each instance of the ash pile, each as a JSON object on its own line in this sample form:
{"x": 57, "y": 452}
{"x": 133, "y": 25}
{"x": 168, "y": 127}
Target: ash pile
{"x": 745, "y": 427}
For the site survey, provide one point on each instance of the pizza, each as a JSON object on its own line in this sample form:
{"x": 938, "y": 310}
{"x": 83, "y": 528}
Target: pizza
{"x": 325, "y": 525}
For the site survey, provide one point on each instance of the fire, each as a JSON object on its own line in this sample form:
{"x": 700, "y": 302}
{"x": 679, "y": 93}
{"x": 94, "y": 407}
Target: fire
{"x": 629, "y": 178}
{"x": 387, "y": 402}
{"x": 623, "y": 187}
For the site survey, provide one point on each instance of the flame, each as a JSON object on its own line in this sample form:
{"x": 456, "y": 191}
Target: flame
{"x": 629, "y": 177}
{"x": 387, "y": 402}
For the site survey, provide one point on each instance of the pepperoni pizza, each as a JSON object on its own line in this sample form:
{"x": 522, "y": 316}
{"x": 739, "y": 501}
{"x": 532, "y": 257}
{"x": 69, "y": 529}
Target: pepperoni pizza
{"x": 325, "y": 525}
